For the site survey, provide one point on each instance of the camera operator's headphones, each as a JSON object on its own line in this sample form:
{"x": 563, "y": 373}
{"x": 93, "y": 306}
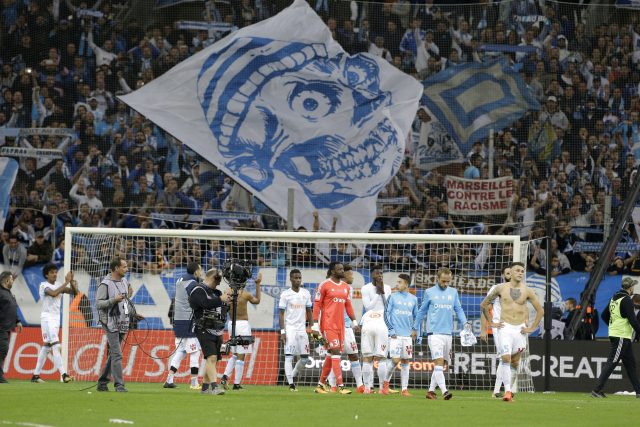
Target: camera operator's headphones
{"x": 215, "y": 272}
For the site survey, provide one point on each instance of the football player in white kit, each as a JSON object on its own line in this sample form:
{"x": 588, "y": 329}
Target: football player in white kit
{"x": 484, "y": 331}
{"x": 295, "y": 313}
{"x": 375, "y": 334}
{"x": 51, "y": 296}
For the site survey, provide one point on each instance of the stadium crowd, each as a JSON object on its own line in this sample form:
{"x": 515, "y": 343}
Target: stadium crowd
{"x": 63, "y": 63}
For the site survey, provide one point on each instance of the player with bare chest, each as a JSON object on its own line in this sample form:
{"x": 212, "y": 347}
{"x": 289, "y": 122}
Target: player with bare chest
{"x": 512, "y": 327}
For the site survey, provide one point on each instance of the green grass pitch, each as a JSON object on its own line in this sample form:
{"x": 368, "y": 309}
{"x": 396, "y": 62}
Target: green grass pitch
{"x": 54, "y": 404}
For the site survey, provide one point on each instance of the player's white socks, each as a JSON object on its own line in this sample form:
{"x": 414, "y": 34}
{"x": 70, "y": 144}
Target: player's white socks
{"x": 382, "y": 372}
{"x": 239, "y": 371}
{"x": 514, "y": 379}
{"x": 331, "y": 379}
{"x": 356, "y": 370}
{"x": 299, "y": 364}
{"x": 367, "y": 374}
{"x": 505, "y": 368}
{"x": 57, "y": 359}
{"x": 404, "y": 376}
{"x": 42, "y": 357}
{"x": 438, "y": 376}
{"x": 433, "y": 384}
{"x": 288, "y": 368}
{"x": 177, "y": 359}
{"x": 230, "y": 364}
{"x": 391, "y": 368}
{"x": 194, "y": 364}
{"x": 498, "y": 383}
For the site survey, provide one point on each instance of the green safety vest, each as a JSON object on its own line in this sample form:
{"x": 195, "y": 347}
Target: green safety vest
{"x": 618, "y": 325}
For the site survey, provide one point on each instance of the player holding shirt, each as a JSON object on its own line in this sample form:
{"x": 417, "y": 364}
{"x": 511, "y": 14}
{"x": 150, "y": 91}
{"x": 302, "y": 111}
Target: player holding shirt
{"x": 439, "y": 305}
{"x": 331, "y": 300}
{"x": 484, "y": 330}
{"x": 51, "y": 296}
{"x": 402, "y": 309}
{"x": 295, "y": 308}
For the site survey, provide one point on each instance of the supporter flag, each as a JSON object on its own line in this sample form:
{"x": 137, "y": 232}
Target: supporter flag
{"x": 8, "y": 172}
{"x": 472, "y": 98}
{"x": 543, "y": 142}
{"x": 280, "y": 105}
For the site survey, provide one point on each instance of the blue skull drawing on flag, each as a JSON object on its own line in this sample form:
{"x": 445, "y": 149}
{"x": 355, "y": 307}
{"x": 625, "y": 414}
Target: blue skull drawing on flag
{"x": 277, "y": 107}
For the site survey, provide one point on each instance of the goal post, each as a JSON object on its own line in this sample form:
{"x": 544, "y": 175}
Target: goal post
{"x": 157, "y": 258}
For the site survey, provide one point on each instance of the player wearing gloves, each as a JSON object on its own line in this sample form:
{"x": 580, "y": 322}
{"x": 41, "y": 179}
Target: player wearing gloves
{"x": 331, "y": 300}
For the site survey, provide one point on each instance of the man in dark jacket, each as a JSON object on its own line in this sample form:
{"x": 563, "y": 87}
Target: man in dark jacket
{"x": 209, "y": 313}
{"x": 622, "y": 322}
{"x": 8, "y": 317}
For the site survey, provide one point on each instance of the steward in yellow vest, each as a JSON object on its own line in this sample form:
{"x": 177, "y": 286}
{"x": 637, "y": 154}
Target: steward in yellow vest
{"x": 622, "y": 321}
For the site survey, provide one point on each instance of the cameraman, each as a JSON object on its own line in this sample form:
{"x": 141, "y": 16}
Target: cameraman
{"x": 209, "y": 312}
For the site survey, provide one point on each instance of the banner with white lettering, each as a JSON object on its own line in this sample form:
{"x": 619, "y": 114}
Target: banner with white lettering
{"x": 23, "y": 132}
{"x": 478, "y": 197}
{"x": 39, "y": 153}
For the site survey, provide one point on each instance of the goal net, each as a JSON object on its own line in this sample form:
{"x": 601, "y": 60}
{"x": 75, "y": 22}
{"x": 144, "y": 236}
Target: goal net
{"x": 158, "y": 258}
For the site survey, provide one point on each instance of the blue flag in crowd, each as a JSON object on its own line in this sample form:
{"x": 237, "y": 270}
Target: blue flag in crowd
{"x": 8, "y": 172}
{"x": 472, "y": 98}
{"x": 280, "y": 105}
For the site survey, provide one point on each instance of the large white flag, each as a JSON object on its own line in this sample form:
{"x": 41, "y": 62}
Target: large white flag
{"x": 280, "y": 105}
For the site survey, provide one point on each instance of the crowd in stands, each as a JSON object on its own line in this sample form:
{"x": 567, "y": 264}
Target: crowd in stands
{"x": 63, "y": 63}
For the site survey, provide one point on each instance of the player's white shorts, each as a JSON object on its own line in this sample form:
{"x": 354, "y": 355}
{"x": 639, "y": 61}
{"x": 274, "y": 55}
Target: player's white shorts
{"x": 375, "y": 339}
{"x": 50, "y": 330}
{"x": 243, "y": 329}
{"x": 401, "y": 348}
{"x": 297, "y": 342}
{"x": 350, "y": 343}
{"x": 440, "y": 347}
{"x": 512, "y": 341}
{"x": 188, "y": 345}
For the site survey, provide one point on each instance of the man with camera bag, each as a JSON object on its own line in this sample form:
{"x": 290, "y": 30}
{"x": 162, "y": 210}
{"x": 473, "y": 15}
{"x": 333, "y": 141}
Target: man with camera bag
{"x": 113, "y": 304}
{"x": 209, "y": 312}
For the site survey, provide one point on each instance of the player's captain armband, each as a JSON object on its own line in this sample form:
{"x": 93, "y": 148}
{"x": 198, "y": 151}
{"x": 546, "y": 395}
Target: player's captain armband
{"x": 315, "y": 327}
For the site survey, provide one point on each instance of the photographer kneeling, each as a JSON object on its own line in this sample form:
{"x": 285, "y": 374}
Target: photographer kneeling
{"x": 209, "y": 313}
